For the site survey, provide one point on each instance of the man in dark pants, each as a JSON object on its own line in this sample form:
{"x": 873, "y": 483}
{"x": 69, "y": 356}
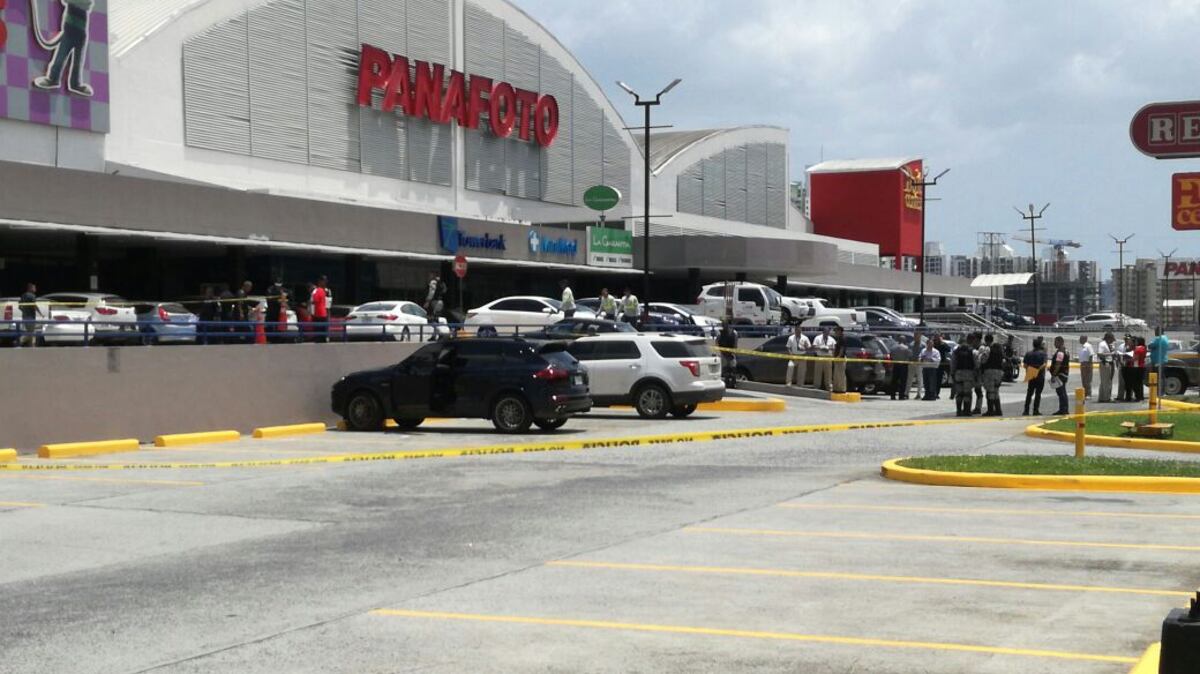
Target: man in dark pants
{"x": 319, "y": 307}
{"x": 274, "y": 307}
{"x": 901, "y": 354}
{"x": 964, "y": 375}
{"x": 1035, "y": 359}
{"x": 29, "y": 314}
{"x": 1060, "y": 368}
{"x": 992, "y": 374}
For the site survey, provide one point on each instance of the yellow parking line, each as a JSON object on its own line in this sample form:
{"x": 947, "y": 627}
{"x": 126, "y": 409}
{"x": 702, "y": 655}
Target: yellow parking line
{"x": 830, "y": 575}
{"x": 752, "y": 634}
{"x": 986, "y": 511}
{"x": 113, "y": 480}
{"x": 20, "y": 504}
{"x": 871, "y": 536}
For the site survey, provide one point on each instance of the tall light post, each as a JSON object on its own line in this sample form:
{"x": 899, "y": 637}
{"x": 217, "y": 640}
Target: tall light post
{"x": 646, "y": 105}
{"x": 1165, "y": 312}
{"x": 1033, "y": 216}
{"x": 1121, "y": 266}
{"x": 922, "y": 183}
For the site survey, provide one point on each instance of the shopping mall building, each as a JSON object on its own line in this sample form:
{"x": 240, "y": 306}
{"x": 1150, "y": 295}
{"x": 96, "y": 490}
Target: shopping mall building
{"x": 159, "y": 147}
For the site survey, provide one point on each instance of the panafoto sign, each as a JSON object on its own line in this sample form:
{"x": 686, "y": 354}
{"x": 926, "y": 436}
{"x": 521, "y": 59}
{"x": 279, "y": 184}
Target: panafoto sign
{"x": 609, "y": 247}
{"x": 1167, "y": 130}
{"x": 54, "y": 62}
{"x": 1185, "y": 201}
{"x": 421, "y": 89}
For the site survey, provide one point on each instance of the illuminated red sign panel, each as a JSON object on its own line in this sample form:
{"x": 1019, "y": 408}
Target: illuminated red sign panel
{"x": 421, "y": 90}
{"x": 1167, "y": 130}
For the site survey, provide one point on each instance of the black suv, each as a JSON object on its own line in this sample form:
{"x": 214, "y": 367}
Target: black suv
{"x": 511, "y": 381}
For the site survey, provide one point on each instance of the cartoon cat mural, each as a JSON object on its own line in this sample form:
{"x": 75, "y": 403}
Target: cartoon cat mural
{"x": 68, "y": 48}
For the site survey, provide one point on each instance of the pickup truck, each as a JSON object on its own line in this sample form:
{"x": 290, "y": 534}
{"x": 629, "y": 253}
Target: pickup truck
{"x": 1181, "y": 371}
{"x": 815, "y": 312}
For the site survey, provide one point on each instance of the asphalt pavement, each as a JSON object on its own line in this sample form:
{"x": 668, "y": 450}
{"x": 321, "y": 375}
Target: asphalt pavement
{"x": 744, "y": 554}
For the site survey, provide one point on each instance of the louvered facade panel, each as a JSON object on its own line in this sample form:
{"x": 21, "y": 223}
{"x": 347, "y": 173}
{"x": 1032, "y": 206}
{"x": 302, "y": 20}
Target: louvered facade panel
{"x": 216, "y": 89}
{"x": 616, "y": 156}
{"x": 756, "y": 183}
{"x": 333, "y": 129}
{"x": 483, "y": 153}
{"x": 384, "y": 24}
{"x": 587, "y": 129}
{"x": 558, "y": 172}
{"x": 713, "y": 169}
{"x": 428, "y": 30}
{"x": 689, "y": 191}
{"x": 777, "y": 188}
{"x": 735, "y": 183}
{"x": 523, "y": 158}
{"x": 430, "y": 152}
{"x": 278, "y": 82}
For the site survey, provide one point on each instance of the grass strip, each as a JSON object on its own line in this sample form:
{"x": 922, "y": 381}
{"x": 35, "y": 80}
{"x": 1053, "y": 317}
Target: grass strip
{"x": 1187, "y": 424}
{"x": 1055, "y": 465}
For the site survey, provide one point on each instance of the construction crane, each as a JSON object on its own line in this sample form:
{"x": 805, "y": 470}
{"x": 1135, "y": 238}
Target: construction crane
{"x": 1060, "y": 269}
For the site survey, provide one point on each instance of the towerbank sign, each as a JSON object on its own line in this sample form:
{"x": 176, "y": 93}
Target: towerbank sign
{"x": 421, "y": 89}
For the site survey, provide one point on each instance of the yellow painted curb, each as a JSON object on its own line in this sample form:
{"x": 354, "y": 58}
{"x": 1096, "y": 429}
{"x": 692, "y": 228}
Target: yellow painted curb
{"x": 846, "y": 397}
{"x": 391, "y": 423}
{"x": 1036, "y": 431}
{"x": 8, "y": 455}
{"x": 1178, "y": 404}
{"x": 285, "y": 431}
{"x": 892, "y": 470}
{"x": 182, "y": 439}
{"x": 744, "y": 405}
{"x": 1149, "y": 662}
{"x": 69, "y": 449}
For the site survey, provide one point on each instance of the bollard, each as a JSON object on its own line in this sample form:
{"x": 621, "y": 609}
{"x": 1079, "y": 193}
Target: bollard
{"x": 1154, "y": 397}
{"x": 1080, "y": 423}
{"x": 1181, "y": 640}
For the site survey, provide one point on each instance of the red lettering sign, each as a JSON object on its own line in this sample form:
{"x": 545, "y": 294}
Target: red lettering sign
{"x": 1167, "y": 130}
{"x": 416, "y": 88}
{"x": 1185, "y": 201}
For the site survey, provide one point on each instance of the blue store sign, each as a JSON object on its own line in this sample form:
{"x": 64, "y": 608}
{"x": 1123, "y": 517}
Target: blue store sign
{"x": 452, "y": 239}
{"x": 540, "y": 243}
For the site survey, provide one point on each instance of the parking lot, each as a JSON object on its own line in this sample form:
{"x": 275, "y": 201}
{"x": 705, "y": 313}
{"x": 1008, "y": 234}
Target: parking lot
{"x": 740, "y": 553}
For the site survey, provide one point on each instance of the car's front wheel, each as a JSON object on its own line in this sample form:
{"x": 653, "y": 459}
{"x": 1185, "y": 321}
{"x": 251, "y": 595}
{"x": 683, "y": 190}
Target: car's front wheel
{"x": 681, "y": 411}
{"x": 785, "y": 316}
{"x": 364, "y": 412}
{"x": 511, "y": 414}
{"x": 1173, "y": 384}
{"x": 550, "y": 424}
{"x": 652, "y": 401}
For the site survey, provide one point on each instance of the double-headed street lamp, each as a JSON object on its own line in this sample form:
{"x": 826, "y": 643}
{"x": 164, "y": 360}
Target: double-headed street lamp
{"x": 646, "y": 105}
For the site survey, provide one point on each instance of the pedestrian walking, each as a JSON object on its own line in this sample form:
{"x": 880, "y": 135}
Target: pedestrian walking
{"x": 962, "y": 363}
{"x": 629, "y": 307}
{"x": 797, "y": 368}
{"x": 1158, "y": 348}
{"x": 1087, "y": 356}
{"x": 1105, "y": 354}
{"x": 916, "y": 379}
{"x": 568, "y": 299}
{"x": 1035, "y": 375}
{"x": 29, "y": 315}
{"x": 435, "y": 294}
{"x": 839, "y": 360}
{"x": 823, "y": 346}
{"x": 931, "y": 360}
{"x": 1060, "y": 371}
{"x": 992, "y": 374}
{"x": 727, "y": 342}
{"x": 272, "y": 325}
{"x": 608, "y": 305}
{"x": 320, "y": 302}
{"x": 901, "y": 355}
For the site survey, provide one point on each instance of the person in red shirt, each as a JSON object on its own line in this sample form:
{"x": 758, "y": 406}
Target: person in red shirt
{"x": 1139, "y": 364}
{"x": 322, "y": 299}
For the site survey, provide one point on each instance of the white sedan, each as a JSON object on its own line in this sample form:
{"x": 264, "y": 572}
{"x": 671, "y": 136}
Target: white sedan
{"x": 79, "y": 317}
{"x": 510, "y": 314}
{"x": 396, "y": 321}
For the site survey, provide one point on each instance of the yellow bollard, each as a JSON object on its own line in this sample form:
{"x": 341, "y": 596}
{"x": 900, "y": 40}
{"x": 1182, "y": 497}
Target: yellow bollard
{"x": 1154, "y": 397}
{"x": 1080, "y": 423}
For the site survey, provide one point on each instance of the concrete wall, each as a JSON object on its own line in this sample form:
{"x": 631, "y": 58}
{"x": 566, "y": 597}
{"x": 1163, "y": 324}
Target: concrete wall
{"x": 73, "y": 394}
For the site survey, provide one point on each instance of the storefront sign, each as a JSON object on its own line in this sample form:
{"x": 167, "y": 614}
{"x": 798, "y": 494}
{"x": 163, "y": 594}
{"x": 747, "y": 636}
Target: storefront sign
{"x": 54, "y": 62}
{"x": 1181, "y": 268}
{"x": 421, "y": 89}
{"x": 912, "y": 187}
{"x": 1167, "y": 130}
{"x": 541, "y": 242}
{"x": 452, "y": 239}
{"x": 602, "y": 198}
{"x": 1185, "y": 201}
{"x": 609, "y": 247}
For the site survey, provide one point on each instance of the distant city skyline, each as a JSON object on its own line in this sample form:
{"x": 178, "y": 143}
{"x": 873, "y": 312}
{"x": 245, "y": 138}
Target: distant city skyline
{"x": 1026, "y": 102}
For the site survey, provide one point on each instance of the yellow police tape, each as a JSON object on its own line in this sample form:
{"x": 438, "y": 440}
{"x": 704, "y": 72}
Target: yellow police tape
{"x": 788, "y": 356}
{"x": 488, "y": 450}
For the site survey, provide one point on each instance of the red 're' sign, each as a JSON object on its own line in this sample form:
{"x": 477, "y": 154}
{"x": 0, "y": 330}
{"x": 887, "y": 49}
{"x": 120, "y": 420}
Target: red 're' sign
{"x": 1167, "y": 130}
{"x": 421, "y": 90}
{"x": 1185, "y": 201}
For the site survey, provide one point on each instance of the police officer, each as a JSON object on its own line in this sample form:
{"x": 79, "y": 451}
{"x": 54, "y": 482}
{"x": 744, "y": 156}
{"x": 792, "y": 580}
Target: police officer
{"x": 963, "y": 364}
{"x": 992, "y": 373}
{"x": 608, "y": 305}
{"x": 629, "y": 307}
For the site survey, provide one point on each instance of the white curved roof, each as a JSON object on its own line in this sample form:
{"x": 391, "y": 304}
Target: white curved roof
{"x": 666, "y": 146}
{"x": 131, "y": 21}
{"x": 857, "y": 165}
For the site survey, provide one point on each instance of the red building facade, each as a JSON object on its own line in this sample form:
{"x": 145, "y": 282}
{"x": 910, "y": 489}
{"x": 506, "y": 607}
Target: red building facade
{"x": 872, "y": 201}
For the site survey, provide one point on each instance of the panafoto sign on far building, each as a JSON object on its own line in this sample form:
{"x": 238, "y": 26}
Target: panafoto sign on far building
{"x": 54, "y": 63}
{"x": 608, "y": 247}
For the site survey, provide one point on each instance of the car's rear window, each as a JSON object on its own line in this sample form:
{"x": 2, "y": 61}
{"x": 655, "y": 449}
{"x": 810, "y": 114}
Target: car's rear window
{"x": 682, "y": 349}
{"x": 561, "y": 358}
{"x": 377, "y": 306}
{"x": 173, "y": 308}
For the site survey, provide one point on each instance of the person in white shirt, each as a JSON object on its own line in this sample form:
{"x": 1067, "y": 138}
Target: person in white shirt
{"x": 1121, "y": 357}
{"x": 568, "y": 299}
{"x": 1104, "y": 352}
{"x": 1086, "y": 356}
{"x": 930, "y": 359}
{"x": 797, "y": 345}
{"x": 915, "y": 380}
{"x": 629, "y": 307}
{"x": 823, "y": 346}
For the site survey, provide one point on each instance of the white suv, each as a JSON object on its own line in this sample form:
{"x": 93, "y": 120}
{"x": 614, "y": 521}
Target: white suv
{"x": 750, "y": 303}
{"x": 657, "y": 374}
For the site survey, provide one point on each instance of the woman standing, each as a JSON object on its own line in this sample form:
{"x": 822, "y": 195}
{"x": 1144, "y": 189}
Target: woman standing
{"x": 1035, "y": 374}
{"x": 1137, "y": 373}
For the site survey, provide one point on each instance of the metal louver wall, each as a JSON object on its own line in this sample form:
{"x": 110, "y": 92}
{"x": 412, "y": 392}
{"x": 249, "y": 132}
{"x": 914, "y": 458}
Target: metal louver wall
{"x": 278, "y": 91}
{"x": 331, "y": 72}
{"x": 747, "y": 183}
{"x": 756, "y": 183}
{"x": 777, "y": 188}
{"x": 216, "y": 89}
{"x": 430, "y": 148}
{"x": 557, "y": 162}
{"x": 384, "y": 137}
{"x": 689, "y": 190}
{"x": 735, "y": 184}
{"x": 713, "y": 169}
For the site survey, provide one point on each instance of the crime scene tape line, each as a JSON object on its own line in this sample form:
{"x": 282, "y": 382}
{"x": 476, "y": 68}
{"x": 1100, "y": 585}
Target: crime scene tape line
{"x": 788, "y": 356}
{"x": 488, "y": 450}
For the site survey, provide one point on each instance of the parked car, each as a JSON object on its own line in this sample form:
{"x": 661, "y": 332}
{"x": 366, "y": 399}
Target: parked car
{"x": 1181, "y": 371}
{"x": 511, "y": 381}
{"x": 883, "y": 317}
{"x": 657, "y": 374}
{"x": 10, "y": 313}
{"x": 573, "y": 328}
{"x": 654, "y": 320}
{"x": 864, "y": 377}
{"x": 1109, "y": 321}
{"x": 707, "y": 325}
{"x": 391, "y": 321}
{"x": 91, "y": 317}
{"x": 1011, "y": 319}
{"x": 749, "y": 303}
{"x": 511, "y": 314}
{"x": 818, "y": 307}
{"x": 1067, "y": 323}
{"x": 165, "y": 323}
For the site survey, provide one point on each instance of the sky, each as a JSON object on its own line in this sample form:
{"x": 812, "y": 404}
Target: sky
{"x": 1025, "y": 101}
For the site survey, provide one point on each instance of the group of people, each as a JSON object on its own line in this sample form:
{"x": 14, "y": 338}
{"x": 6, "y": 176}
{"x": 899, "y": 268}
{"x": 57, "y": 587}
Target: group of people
{"x": 242, "y": 318}
{"x": 626, "y": 308}
{"x": 826, "y": 351}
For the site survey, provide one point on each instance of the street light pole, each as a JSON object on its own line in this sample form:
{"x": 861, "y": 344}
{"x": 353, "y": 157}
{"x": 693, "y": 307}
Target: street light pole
{"x": 1121, "y": 266}
{"x": 646, "y": 105}
{"x": 1164, "y": 312}
{"x": 1033, "y": 217}
{"x": 913, "y": 182}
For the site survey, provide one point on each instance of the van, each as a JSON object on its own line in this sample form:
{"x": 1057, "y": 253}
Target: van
{"x": 746, "y": 303}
